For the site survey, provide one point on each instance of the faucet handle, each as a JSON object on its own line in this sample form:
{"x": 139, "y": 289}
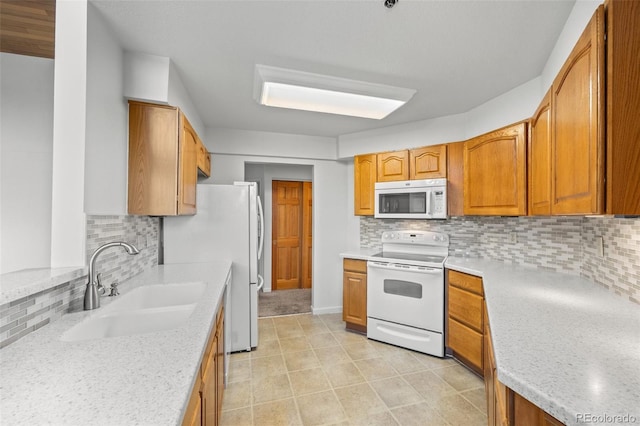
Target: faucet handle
{"x": 114, "y": 289}
{"x": 99, "y": 286}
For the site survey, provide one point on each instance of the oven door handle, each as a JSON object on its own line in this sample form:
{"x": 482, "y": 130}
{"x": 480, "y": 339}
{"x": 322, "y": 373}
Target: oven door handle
{"x": 401, "y": 267}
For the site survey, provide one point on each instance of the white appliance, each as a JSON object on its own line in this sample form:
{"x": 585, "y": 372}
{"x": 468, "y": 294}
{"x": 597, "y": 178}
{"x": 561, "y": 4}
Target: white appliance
{"x": 229, "y": 225}
{"x": 405, "y": 291}
{"x": 411, "y": 199}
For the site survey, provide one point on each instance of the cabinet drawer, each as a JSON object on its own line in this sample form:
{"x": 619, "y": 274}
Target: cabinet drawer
{"x": 465, "y": 342}
{"x": 466, "y": 308}
{"x": 465, "y": 281}
{"x": 355, "y": 265}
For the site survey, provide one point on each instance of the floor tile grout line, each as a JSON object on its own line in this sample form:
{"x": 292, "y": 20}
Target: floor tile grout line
{"x": 379, "y": 354}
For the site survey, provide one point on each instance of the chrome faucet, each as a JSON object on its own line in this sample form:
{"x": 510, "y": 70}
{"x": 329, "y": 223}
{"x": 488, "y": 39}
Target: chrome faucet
{"x": 95, "y": 289}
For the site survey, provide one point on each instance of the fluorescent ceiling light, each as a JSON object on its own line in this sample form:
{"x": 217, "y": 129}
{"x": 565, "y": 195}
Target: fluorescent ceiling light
{"x": 282, "y": 88}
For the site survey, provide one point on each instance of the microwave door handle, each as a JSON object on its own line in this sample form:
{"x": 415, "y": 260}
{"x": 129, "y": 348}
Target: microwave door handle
{"x": 429, "y": 202}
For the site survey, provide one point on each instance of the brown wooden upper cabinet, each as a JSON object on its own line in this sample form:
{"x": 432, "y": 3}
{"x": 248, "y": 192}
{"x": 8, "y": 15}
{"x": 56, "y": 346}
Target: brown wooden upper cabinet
{"x": 429, "y": 162}
{"x": 495, "y": 180}
{"x": 594, "y": 133}
{"x": 623, "y": 107}
{"x": 539, "y": 159}
{"x": 577, "y": 136}
{"x": 204, "y": 160}
{"x": 365, "y": 170}
{"x": 455, "y": 179}
{"x": 163, "y": 156}
{"x": 393, "y": 165}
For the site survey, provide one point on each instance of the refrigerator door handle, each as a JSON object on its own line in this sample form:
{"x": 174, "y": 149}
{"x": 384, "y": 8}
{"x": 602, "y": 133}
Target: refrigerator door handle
{"x": 260, "y": 282}
{"x": 261, "y": 236}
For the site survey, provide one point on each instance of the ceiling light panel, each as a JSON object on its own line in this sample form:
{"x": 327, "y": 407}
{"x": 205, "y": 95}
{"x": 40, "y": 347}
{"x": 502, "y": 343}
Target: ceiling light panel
{"x": 282, "y": 88}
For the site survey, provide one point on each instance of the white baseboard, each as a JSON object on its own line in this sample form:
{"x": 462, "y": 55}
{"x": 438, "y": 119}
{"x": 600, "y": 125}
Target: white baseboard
{"x": 329, "y": 310}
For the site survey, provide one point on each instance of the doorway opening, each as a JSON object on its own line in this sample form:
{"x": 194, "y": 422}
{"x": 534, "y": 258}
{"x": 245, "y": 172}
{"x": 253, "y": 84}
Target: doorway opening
{"x": 287, "y": 262}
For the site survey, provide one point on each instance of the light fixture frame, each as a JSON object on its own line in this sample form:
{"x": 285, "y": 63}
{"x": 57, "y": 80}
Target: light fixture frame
{"x": 268, "y": 74}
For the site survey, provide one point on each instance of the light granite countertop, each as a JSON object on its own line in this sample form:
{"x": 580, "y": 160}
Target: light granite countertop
{"x": 567, "y": 345}
{"x": 564, "y": 343}
{"x": 141, "y": 379}
{"x": 23, "y": 283}
{"x": 360, "y": 254}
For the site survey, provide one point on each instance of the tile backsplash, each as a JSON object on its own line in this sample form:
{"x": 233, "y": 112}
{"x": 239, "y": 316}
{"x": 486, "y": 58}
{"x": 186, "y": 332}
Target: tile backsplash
{"x": 115, "y": 264}
{"x": 563, "y": 244}
{"x": 619, "y": 268}
{"x": 21, "y": 317}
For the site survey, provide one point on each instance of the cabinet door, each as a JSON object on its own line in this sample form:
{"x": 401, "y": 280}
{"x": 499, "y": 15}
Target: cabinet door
{"x": 489, "y": 375}
{"x": 188, "y": 170}
{"x": 153, "y": 159}
{"x": 429, "y": 162}
{"x": 499, "y": 410}
{"x": 623, "y": 107}
{"x": 455, "y": 179}
{"x": 220, "y": 364}
{"x": 539, "y": 158}
{"x": 193, "y": 413}
{"x": 466, "y": 343}
{"x": 577, "y": 140}
{"x": 495, "y": 180}
{"x": 393, "y": 166}
{"x": 364, "y": 167}
{"x": 354, "y": 298}
{"x": 203, "y": 159}
{"x": 466, "y": 308}
{"x": 209, "y": 394}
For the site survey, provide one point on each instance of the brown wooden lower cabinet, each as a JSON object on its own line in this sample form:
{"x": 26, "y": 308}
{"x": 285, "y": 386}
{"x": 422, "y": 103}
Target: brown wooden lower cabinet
{"x": 193, "y": 415}
{"x": 504, "y": 406}
{"x": 205, "y": 404}
{"x": 526, "y": 413}
{"x": 464, "y": 335}
{"x": 354, "y": 294}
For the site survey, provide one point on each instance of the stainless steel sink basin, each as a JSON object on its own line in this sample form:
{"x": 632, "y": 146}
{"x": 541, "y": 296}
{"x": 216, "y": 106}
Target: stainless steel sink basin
{"x": 125, "y": 323}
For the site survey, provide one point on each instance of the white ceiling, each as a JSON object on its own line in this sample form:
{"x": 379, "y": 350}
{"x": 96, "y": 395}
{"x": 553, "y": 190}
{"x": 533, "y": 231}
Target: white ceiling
{"x": 456, "y": 54}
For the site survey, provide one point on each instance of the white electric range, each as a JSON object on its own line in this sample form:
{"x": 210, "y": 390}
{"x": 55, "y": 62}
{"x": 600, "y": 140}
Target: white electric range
{"x": 405, "y": 291}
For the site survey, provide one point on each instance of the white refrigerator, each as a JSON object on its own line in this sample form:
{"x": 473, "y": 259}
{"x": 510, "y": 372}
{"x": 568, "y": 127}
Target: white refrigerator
{"x": 228, "y": 225}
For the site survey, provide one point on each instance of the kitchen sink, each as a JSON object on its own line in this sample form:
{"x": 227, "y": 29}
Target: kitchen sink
{"x": 157, "y": 296}
{"x": 126, "y": 323}
{"x": 145, "y": 309}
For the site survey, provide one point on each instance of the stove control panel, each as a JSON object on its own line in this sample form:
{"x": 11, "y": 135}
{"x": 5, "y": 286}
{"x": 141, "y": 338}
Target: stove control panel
{"x": 416, "y": 237}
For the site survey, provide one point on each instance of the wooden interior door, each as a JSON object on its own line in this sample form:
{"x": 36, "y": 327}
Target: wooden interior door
{"x": 287, "y": 235}
{"x": 307, "y": 234}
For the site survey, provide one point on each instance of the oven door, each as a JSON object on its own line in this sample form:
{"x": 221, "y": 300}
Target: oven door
{"x": 404, "y": 294}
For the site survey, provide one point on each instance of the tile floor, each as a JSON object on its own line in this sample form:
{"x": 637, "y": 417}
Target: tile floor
{"x": 308, "y": 370}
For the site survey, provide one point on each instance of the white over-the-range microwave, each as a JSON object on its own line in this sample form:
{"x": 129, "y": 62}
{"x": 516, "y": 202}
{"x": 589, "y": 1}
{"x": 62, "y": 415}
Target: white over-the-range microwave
{"x": 411, "y": 199}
